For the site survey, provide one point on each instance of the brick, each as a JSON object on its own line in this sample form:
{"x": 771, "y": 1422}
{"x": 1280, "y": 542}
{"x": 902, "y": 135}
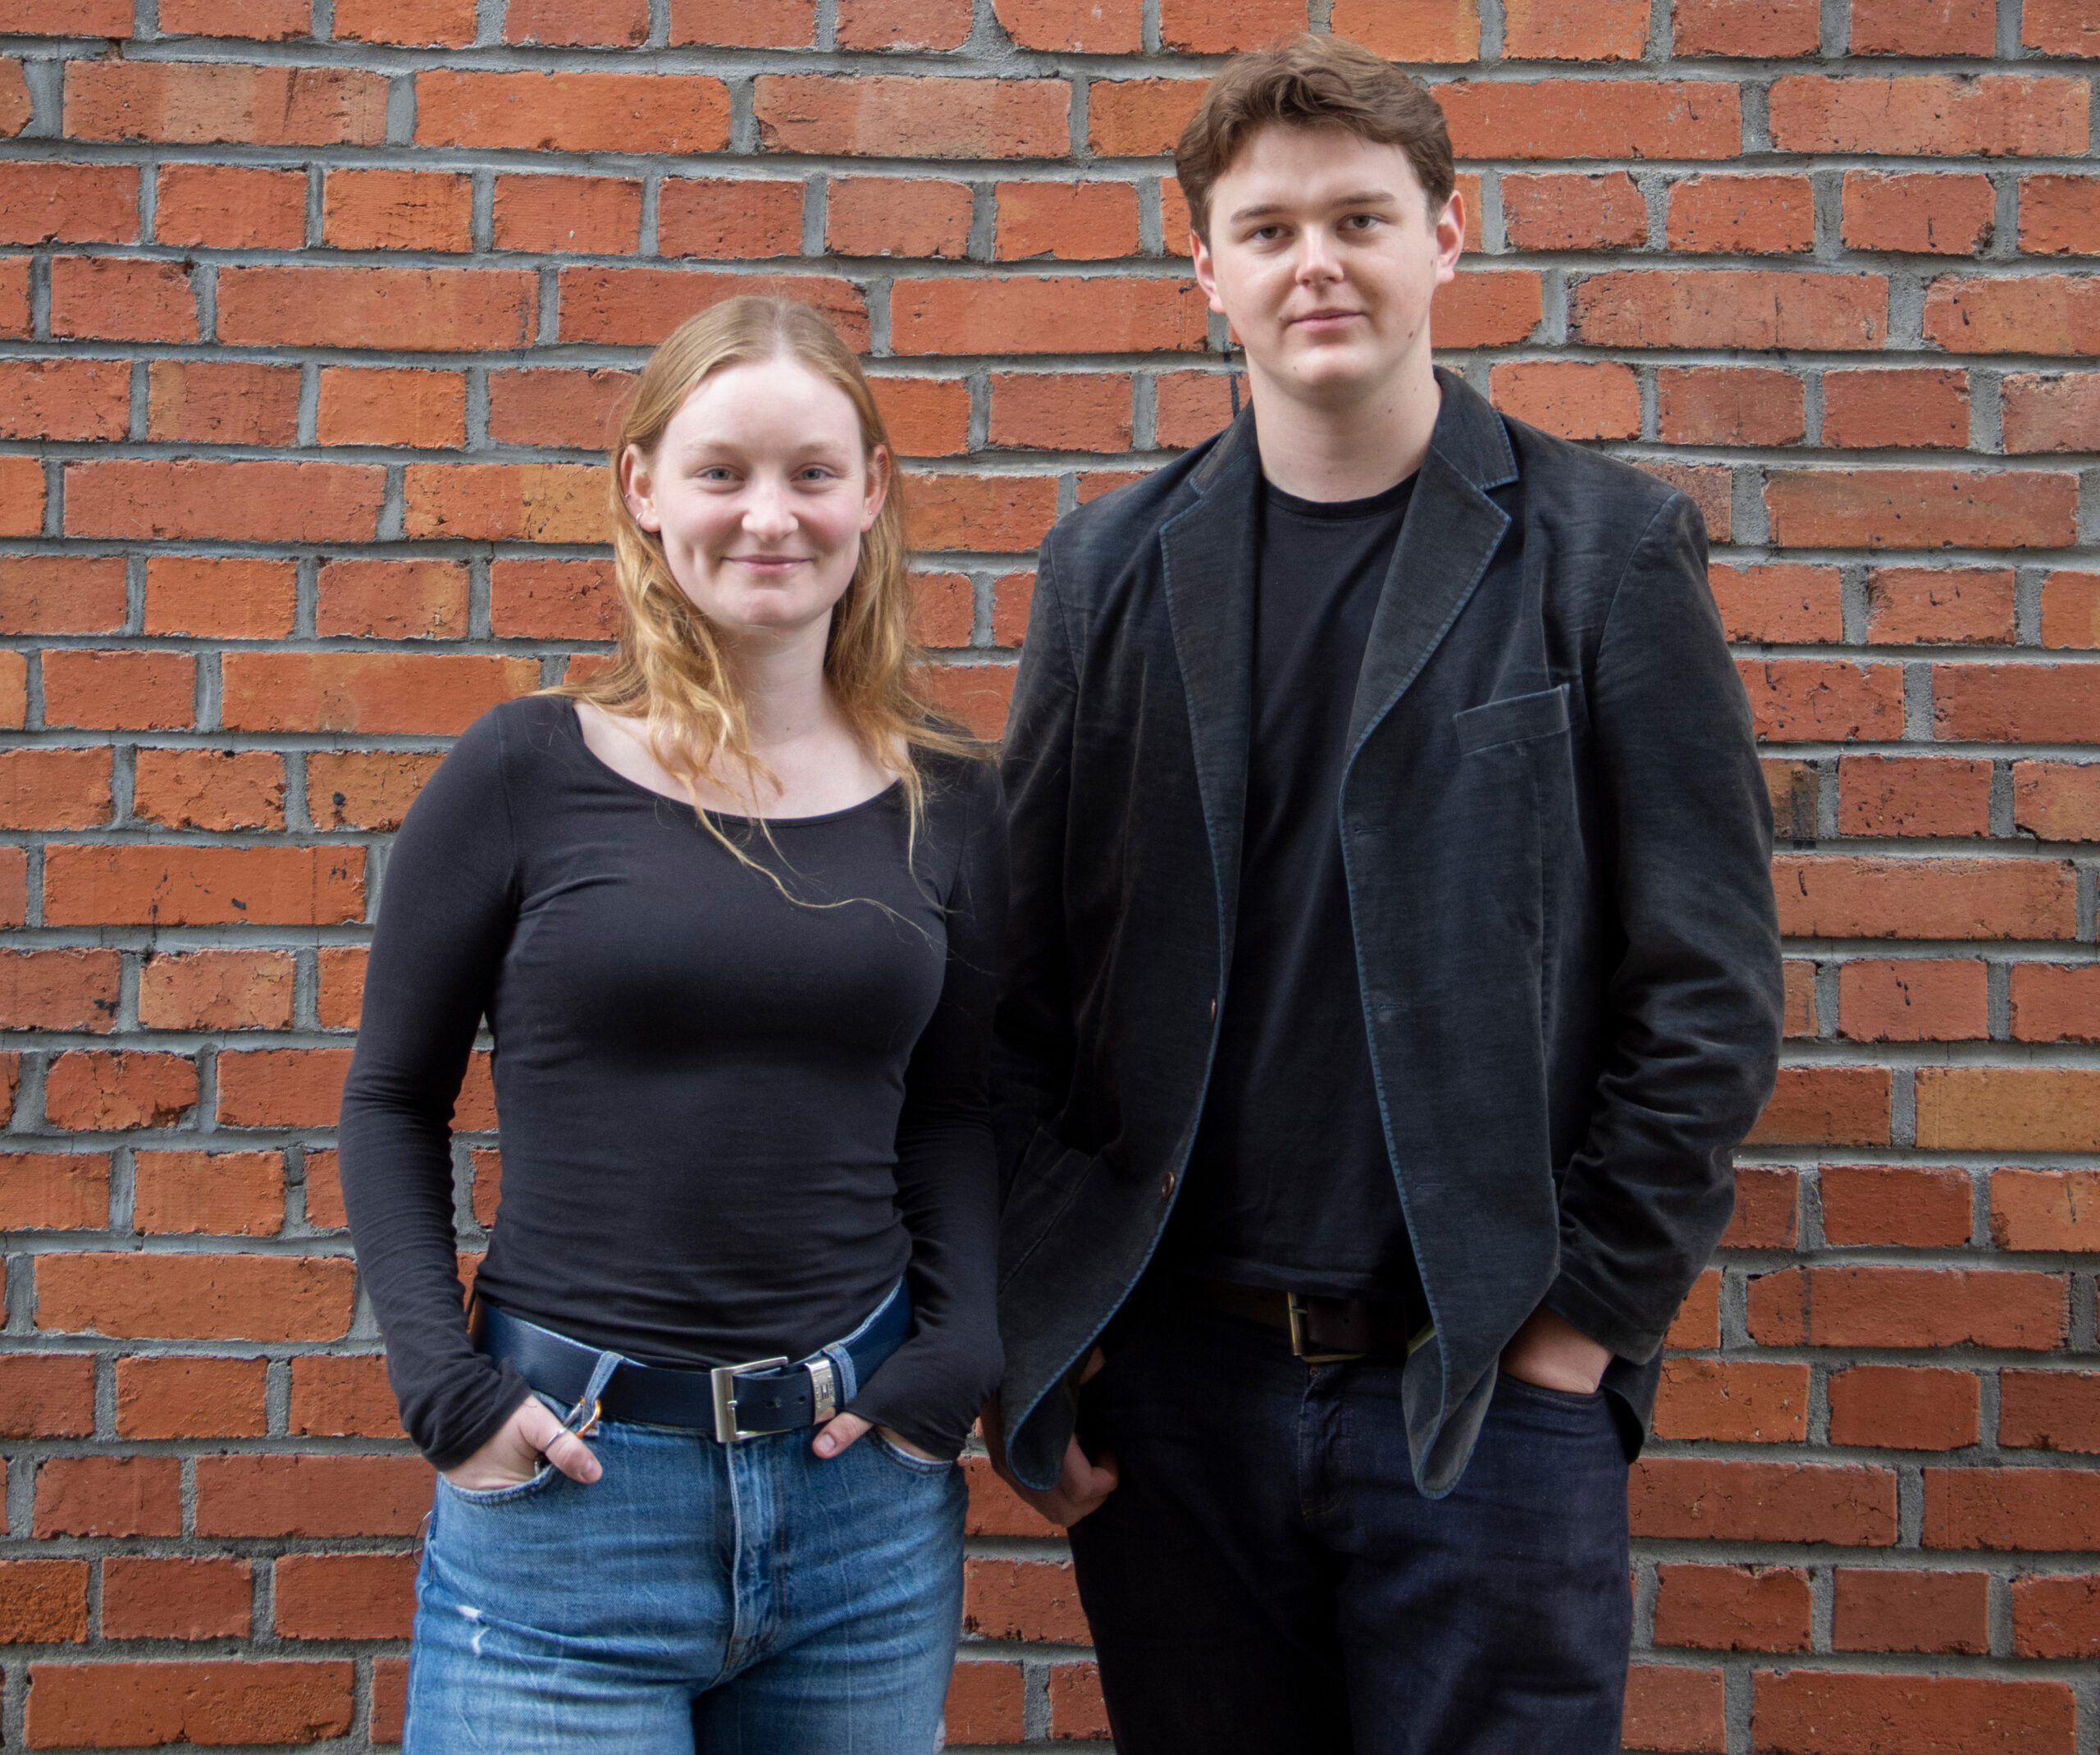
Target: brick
{"x": 1538, "y": 30}
{"x": 221, "y": 598}
{"x": 553, "y": 600}
{"x": 1417, "y": 31}
{"x": 1921, "y": 509}
{"x": 578, "y": 410}
{"x": 1784, "y": 602}
{"x": 976, "y": 695}
{"x": 984, "y": 1704}
{"x": 1011, "y": 593}
{"x": 1869, "y": 897}
{"x": 1594, "y": 119}
{"x": 1833, "y": 1713}
{"x": 45, "y": 203}
{"x": 943, "y": 608}
{"x": 730, "y": 218}
{"x": 2050, "y": 1410}
{"x": 54, "y": 1190}
{"x": 1217, "y": 27}
{"x": 262, "y": 20}
{"x": 2008, "y": 703}
{"x": 2045, "y": 1209}
{"x": 391, "y": 405}
{"x": 14, "y": 295}
{"x": 620, "y": 23}
{"x": 65, "y": 399}
{"x": 1484, "y": 308}
{"x": 486, "y": 1164}
{"x": 342, "y": 994}
{"x": 1561, "y": 210}
{"x": 2044, "y": 1510}
{"x": 1914, "y": 999}
{"x": 1922, "y": 213}
{"x": 254, "y": 501}
{"x": 216, "y": 1194}
{"x": 2059, "y": 27}
{"x": 926, "y": 416}
{"x": 1139, "y": 118}
{"x": 13, "y": 886}
{"x": 108, "y": 1496}
{"x": 1710, "y": 488}
{"x": 14, "y": 705}
{"x": 1674, "y": 1707}
{"x": 1081, "y": 222}
{"x": 116, "y": 1705}
{"x": 339, "y": 1397}
{"x": 1571, "y": 399}
{"x": 208, "y": 402}
{"x": 1698, "y": 1320}
{"x": 411, "y": 210}
{"x": 120, "y": 691}
{"x": 1746, "y": 216}
{"x": 1929, "y": 115}
{"x": 1924, "y": 27}
{"x": 1880, "y": 1608}
{"x": 1908, "y": 1307}
{"x": 1023, "y": 1599}
{"x": 1825, "y": 1106}
{"x": 1901, "y": 1205}
{"x": 1103, "y": 27}
{"x": 1054, "y": 315}
{"x": 1893, "y": 1407}
{"x": 47, "y": 1394}
{"x": 1940, "y": 605}
{"x": 373, "y": 692}
{"x": 121, "y": 298}
{"x": 311, "y": 1496}
{"x": 1767, "y": 1209}
{"x": 212, "y": 789}
{"x": 21, "y": 496}
{"x": 1063, "y": 411}
{"x": 392, "y": 599}
{"x": 289, "y": 1087}
{"x": 1729, "y": 308}
{"x": 893, "y": 116}
{"x": 196, "y": 1297}
{"x": 54, "y": 788}
{"x": 1815, "y": 700}
{"x": 175, "y": 1599}
{"x": 201, "y": 102}
{"x": 1853, "y": 1506}
{"x": 230, "y": 207}
{"x": 674, "y": 115}
{"x": 1902, "y": 795}
{"x": 1190, "y": 406}
{"x": 2056, "y": 1617}
{"x": 215, "y": 989}
{"x": 901, "y": 215}
{"x": 188, "y": 1397}
{"x": 1732, "y": 1608}
{"x": 1732, "y": 1401}
{"x": 2057, "y": 801}
{"x": 529, "y": 502}
{"x": 446, "y": 23}
{"x": 1875, "y": 408}
{"x": 410, "y": 310}
{"x": 594, "y": 216}
{"x": 639, "y": 306}
{"x": 988, "y": 514}
{"x": 92, "y": 1089}
{"x": 2056, "y": 1002}
{"x": 2049, "y": 413}
{"x": 995, "y": 1509}
{"x": 389, "y": 1675}
{"x": 2058, "y": 216}
{"x": 2035, "y": 313}
{"x": 2011, "y": 1108}
{"x": 1798, "y": 975}
{"x": 62, "y": 594}
{"x": 1765, "y": 28}
{"x": 759, "y": 24}
{"x": 345, "y": 1596}
{"x": 1731, "y": 405}
{"x": 904, "y": 23}
{"x": 44, "y": 1601}
{"x": 1078, "y": 1708}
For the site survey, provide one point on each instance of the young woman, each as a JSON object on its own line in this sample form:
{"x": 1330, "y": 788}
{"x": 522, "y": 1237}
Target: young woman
{"x": 731, "y": 908}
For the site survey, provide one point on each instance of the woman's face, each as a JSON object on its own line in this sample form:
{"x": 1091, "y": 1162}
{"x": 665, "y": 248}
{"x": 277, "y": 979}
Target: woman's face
{"x": 760, "y": 491}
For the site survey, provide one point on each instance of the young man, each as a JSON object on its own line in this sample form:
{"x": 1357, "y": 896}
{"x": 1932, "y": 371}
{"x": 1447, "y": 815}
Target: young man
{"x": 1394, "y": 969}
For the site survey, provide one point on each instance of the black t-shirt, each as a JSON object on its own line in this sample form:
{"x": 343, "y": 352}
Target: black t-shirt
{"x": 1290, "y": 1184}
{"x": 729, "y": 1122}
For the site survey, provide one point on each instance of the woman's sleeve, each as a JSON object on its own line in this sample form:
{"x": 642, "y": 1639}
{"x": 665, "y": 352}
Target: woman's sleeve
{"x": 931, "y": 1387}
{"x": 445, "y": 915}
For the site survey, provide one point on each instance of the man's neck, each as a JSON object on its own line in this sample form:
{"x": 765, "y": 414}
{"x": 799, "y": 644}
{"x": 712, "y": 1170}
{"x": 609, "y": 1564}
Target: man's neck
{"x": 1346, "y": 449}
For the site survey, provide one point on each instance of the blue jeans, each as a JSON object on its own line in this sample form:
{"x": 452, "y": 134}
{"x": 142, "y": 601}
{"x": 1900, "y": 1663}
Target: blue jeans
{"x": 1266, "y": 1580}
{"x": 745, "y": 1599}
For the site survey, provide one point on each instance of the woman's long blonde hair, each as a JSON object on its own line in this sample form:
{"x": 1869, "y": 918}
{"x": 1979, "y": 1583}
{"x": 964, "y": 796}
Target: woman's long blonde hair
{"x": 670, "y": 669}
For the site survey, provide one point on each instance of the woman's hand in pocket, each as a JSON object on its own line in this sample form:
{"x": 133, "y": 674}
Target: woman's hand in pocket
{"x": 530, "y": 1437}
{"x": 838, "y": 1433}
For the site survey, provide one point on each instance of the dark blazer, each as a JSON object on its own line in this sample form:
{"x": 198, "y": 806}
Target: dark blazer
{"x": 1558, "y": 847}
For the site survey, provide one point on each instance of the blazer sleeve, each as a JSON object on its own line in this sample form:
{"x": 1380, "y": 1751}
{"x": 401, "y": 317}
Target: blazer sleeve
{"x": 1694, "y": 1001}
{"x": 1034, "y": 1043}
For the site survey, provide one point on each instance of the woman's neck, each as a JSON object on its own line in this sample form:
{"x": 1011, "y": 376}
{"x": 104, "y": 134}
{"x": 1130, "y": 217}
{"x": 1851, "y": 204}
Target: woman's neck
{"x": 782, "y": 683}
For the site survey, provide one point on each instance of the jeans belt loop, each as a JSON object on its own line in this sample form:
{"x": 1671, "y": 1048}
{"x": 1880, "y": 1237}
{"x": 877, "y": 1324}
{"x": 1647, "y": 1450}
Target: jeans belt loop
{"x": 602, "y": 1374}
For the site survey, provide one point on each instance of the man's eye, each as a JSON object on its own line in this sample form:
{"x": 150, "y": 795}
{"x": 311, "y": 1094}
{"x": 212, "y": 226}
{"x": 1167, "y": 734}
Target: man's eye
{"x": 1361, "y": 222}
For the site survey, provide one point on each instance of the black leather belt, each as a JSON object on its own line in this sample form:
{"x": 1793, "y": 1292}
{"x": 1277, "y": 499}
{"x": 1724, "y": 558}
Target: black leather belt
{"x": 1322, "y": 1330}
{"x": 749, "y": 1401}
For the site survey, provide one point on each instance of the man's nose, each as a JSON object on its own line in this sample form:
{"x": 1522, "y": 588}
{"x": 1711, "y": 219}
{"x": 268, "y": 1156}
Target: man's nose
{"x": 1317, "y": 259}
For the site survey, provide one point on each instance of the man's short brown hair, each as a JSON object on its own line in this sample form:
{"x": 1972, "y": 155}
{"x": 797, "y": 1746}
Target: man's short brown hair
{"x": 1312, "y": 82}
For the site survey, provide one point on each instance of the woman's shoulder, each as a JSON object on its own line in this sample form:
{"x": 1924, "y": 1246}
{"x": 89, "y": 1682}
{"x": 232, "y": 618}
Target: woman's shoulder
{"x": 961, "y": 783}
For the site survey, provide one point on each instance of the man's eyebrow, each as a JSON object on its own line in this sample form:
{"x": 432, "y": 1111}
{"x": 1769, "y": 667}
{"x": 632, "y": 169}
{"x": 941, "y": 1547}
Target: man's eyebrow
{"x": 1359, "y": 198}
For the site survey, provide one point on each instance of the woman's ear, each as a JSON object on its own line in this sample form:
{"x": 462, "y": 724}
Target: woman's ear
{"x": 638, "y": 488}
{"x": 879, "y": 475}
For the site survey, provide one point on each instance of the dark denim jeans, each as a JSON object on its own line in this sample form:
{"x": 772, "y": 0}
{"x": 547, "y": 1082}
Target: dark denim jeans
{"x": 1267, "y": 1579}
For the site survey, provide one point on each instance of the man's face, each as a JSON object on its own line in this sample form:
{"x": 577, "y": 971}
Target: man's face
{"x": 1324, "y": 253}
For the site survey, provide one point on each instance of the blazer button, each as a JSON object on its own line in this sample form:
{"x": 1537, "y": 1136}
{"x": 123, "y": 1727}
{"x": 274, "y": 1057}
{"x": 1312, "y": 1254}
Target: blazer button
{"x": 1213, "y": 1011}
{"x": 1167, "y": 1187}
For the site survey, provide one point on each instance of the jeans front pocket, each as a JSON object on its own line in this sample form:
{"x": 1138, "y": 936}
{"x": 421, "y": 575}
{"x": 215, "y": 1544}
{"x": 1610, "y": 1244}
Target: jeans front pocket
{"x": 543, "y": 1478}
{"x": 931, "y": 1466}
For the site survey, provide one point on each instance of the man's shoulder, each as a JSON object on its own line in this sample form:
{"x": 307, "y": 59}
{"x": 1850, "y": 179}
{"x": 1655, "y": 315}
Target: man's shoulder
{"x": 1107, "y": 533}
{"x": 1556, "y": 467}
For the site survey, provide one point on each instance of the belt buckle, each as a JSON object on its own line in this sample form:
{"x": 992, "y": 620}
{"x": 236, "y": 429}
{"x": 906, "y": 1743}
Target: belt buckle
{"x": 1294, "y": 1304}
{"x": 722, "y": 1381}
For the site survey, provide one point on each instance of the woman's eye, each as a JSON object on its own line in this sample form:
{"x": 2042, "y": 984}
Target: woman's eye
{"x": 715, "y": 476}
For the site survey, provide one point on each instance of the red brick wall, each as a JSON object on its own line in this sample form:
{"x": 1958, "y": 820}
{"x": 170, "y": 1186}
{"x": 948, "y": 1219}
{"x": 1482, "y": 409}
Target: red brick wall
{"x": 311, "y": 314}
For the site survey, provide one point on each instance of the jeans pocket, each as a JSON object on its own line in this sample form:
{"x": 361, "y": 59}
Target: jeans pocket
{"x": 543, "y": 1477}
{"x": 1566, "y": 1398}
{"x": 921, "y": 1465}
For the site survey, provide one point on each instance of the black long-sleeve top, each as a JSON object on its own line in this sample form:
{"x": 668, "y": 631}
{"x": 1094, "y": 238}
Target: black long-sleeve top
{"x": 729, "y": 1120}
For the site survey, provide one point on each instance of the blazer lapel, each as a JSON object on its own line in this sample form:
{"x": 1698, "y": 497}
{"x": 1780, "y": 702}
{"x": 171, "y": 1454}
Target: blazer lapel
{"x": 1451, "y": 533}
{"x": 1208, "y": 553}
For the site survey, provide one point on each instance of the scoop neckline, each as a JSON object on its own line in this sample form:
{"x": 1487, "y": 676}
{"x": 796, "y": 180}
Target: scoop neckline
{"x": 576, "y": 726}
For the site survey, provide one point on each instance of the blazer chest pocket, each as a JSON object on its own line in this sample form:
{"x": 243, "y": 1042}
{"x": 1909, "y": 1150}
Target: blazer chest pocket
{"x": 1511, "y": 719}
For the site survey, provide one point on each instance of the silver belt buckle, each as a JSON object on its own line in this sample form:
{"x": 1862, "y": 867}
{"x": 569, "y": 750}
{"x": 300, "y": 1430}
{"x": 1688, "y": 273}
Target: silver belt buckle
{"x": 722, "y": 1381}
{"x": 1301, "y": 1340}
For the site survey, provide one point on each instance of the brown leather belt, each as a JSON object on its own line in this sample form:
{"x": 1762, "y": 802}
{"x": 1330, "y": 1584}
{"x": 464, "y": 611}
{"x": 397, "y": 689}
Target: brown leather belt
{"x": 1322, "y": 1330}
